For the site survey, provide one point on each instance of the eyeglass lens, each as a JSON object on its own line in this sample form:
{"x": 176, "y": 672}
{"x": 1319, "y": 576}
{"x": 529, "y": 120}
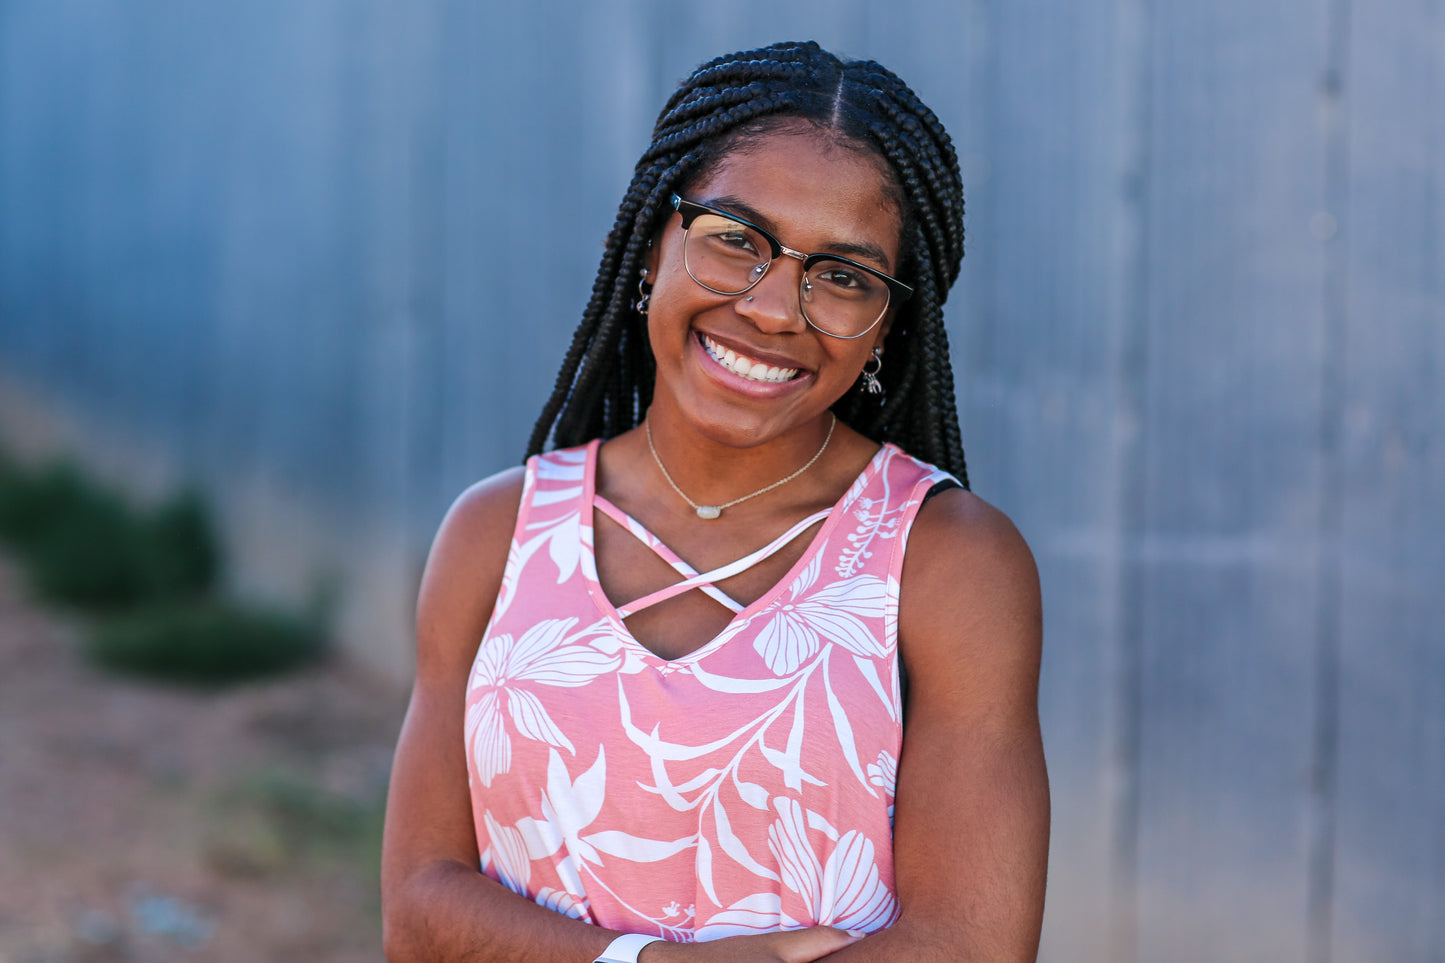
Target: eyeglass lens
{"x": 728, "y": 257}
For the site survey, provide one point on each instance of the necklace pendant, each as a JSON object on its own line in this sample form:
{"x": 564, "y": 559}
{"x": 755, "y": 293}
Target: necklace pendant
{"x": 708, "y": 511}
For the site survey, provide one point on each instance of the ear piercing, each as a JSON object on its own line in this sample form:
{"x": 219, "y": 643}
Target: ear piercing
{"x": 871, "y": 383}
{"x": 641, "y": 304}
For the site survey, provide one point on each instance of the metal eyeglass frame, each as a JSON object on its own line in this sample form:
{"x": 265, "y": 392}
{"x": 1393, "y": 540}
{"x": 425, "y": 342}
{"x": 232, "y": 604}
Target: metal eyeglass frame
{"x": 691, "y": 210}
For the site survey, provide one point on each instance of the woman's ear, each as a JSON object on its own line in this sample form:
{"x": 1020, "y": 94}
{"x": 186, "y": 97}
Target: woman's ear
{"x": 882, "y": 332}
{"x": 649, "y": 260}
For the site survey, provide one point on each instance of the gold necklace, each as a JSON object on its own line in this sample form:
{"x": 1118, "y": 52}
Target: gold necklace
{"x": 710, "y": 512}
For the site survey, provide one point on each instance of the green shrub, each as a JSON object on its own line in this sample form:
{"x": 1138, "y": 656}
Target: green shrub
{"x": 271, "y": 820}
{"x": 94, "y": 555}
{"x": 310, "y": 814}
{"x": 30, "y": 503}
{"x": 148, "y": 574}
{"x": 207, "y": 643}
{"x": 85, "y": 546}
{"x": 184, "y": 557}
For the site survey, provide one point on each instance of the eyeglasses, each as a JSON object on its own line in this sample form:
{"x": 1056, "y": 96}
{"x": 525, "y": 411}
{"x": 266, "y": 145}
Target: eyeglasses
{"x": 728, "y": 255}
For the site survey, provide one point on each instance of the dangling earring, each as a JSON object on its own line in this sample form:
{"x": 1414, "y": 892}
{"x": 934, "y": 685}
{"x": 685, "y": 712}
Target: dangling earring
{"x": 871, "y": 383}
{"x": 646, "y": 294}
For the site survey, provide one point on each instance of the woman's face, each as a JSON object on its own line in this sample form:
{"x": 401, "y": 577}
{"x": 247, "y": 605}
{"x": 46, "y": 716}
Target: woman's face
{"x": 814, "y": 196}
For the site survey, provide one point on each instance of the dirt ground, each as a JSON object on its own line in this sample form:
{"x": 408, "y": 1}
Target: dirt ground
{"x": 141, "y": 822}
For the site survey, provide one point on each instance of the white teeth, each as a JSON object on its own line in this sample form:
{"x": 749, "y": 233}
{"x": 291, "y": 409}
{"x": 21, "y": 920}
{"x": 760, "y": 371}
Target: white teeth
{"x": 745, "y": 366}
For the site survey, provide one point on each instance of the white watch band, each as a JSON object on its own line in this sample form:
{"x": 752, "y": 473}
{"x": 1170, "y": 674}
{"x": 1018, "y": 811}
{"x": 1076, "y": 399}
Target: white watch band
{"x": 625, "y": 948}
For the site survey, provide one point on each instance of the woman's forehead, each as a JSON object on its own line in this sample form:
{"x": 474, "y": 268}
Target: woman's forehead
{"x": 797, "y": 183}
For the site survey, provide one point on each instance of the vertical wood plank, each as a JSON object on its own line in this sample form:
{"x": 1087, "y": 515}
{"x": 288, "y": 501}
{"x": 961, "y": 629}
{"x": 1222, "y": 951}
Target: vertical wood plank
{"x": 1232, "y": 480}
{"x": 1389, "y": 856}
{"x": 1037, "y": 318}
{"x": 44, "y": 128}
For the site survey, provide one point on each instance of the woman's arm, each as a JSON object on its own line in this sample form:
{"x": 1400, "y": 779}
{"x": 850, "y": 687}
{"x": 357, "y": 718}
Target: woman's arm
{"x": 972, "y": 814}
{"x": 436, "y": 903}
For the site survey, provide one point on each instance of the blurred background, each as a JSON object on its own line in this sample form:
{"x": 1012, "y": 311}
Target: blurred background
{"x": 316, "y": 262}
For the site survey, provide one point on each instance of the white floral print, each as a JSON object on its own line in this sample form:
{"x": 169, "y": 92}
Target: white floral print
{"x": 744, "y": 788}
{"x": 500, "y": 667}
{"x": 796, "y": 625}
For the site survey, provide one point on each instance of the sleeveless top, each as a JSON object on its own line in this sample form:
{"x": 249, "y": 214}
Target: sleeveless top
{"x": 745, "y": 787}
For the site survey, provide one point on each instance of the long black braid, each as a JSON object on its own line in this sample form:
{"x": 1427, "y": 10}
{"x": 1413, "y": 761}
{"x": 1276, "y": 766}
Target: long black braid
{"x": 606, "y": 381}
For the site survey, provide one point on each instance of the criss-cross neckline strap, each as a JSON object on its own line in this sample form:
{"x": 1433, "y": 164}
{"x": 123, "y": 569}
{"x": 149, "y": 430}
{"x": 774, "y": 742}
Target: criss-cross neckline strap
{"x": 697, "y": 580}
{"x": 663, "y": 551}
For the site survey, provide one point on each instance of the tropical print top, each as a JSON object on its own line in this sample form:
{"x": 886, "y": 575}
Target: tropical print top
{"x": 745, "y": 787}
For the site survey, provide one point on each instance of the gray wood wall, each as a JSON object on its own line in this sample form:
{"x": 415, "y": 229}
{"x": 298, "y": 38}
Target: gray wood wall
{"x": 323, "y": 257}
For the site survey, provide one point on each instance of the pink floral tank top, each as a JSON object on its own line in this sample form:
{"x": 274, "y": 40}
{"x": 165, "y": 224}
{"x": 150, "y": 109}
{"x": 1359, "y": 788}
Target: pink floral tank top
{"x": 745, "y": 787}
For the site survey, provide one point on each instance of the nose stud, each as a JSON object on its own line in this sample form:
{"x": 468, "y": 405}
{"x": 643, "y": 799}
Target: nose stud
{"x": 748, "y": 298}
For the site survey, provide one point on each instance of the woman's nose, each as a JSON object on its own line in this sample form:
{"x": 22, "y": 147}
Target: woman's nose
{"x": 773, "y": 304}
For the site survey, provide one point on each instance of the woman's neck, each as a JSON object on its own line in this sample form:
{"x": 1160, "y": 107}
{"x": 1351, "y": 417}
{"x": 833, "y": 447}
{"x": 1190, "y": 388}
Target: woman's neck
{"x": 705, "y": 467}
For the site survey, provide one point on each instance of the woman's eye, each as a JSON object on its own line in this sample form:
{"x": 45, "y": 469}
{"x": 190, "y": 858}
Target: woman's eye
{"x": 845, "y": 279}
{"x": 738, "y": 239}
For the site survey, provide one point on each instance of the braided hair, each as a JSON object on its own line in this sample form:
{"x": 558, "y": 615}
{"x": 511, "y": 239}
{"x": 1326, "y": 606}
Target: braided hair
{"x": 606, "y": 381}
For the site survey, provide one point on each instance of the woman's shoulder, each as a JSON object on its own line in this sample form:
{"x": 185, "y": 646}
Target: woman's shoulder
{"x": 970, "y": 587}
{"x": 961, "y": 528}
{"x": 486, "y": 510}
{"x": 465, "y": 566}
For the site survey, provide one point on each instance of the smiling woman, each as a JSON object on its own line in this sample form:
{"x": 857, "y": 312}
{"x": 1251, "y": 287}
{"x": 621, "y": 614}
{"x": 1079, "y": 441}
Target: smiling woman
{"x": 664, "y": 669}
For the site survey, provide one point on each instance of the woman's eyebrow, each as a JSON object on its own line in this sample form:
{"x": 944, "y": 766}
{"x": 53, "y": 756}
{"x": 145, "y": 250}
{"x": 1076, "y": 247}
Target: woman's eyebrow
{"x": 861, "y": 250}
{"x": 741, "y": 208}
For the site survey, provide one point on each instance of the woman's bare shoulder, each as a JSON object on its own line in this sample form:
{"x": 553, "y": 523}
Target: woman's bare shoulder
{"x": 464, "y": 569}
{"x": 969, "y": 594}
{"x": 958, "y": 530}
{"x": 484, "y": 514}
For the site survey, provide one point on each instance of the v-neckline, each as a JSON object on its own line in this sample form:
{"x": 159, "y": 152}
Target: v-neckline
{"x": 587, "y": 512}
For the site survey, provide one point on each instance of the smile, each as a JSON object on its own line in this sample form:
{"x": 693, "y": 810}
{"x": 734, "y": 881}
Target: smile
{"x": 744, "y": 366}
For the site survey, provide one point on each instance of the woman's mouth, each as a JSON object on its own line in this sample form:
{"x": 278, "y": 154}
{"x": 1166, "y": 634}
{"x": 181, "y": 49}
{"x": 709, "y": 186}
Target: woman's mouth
{"x": 746, "y": 367}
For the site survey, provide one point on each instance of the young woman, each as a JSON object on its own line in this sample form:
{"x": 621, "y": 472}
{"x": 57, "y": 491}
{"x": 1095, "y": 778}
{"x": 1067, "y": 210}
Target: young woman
{"x": 740, "y": 668}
